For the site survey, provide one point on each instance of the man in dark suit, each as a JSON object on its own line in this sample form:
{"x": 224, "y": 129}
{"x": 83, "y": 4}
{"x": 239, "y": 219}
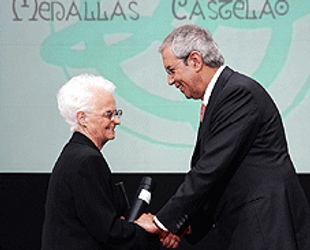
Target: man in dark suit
{"x": 83, "y": 207}
{"x": 242, "y": 190}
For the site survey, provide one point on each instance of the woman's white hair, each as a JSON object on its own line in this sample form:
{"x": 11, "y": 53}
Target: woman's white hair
{"x": 77, "y": 95}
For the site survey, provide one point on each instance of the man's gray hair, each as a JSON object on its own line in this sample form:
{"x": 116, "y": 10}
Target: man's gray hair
{"x": 77, "y": 95}
{"x": 189, "y": 38}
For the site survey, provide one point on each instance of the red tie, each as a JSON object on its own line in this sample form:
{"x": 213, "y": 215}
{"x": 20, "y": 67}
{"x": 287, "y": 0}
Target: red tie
{"x": 202, "y": 112}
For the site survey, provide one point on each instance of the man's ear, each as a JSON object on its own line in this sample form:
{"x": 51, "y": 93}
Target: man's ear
{"x": 195, "y": 61}
{"x": 80, "y": 116}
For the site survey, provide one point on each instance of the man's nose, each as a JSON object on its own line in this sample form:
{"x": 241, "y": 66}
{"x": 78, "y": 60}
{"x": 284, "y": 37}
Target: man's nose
{"x": 170, "y": 79}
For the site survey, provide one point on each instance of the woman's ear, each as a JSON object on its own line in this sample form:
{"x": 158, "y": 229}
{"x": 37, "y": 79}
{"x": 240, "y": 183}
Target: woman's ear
{"x": 195, "y": 61}
{"x": 80, "y": 116}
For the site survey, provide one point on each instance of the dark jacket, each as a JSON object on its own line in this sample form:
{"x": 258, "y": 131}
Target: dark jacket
{"x": 83, "y": 208}
{"x": 242, "y": 190}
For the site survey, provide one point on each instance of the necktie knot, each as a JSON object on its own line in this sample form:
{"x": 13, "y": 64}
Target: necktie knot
{"x": 202, "y": 112}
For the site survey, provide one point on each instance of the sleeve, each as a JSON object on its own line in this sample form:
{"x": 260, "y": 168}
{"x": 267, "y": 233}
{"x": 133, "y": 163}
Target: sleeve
{"x": 234, "y": 123}
{"x": 93, "y": 196}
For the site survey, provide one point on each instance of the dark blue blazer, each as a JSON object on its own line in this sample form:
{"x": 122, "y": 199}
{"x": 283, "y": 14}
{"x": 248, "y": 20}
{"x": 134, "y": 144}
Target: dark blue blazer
{"x": 83, "y": 208}
{"x": 242, "y": 191}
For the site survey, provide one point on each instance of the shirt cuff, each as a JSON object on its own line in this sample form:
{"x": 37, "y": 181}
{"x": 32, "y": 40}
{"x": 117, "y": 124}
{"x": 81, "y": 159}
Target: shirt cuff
{"x": 160, "y": 225}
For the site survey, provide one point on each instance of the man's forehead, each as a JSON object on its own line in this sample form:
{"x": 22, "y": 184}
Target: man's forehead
{"x": 168, "y": 57}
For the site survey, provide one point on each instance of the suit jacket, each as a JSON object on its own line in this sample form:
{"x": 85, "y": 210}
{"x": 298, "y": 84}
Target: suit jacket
{"x": 83, "y": 209}
{"x": 242, "y": 189}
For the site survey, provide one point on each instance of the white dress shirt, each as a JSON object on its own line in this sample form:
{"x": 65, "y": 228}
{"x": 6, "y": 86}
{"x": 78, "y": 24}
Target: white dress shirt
{"x": 211, "y": 85}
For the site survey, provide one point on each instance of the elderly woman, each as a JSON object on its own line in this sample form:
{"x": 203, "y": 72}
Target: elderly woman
{"x": 82, "y": 208}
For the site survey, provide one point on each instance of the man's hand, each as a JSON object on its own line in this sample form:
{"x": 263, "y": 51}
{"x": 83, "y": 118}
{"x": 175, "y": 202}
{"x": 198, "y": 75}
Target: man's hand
{"x": 146, "y": 222}
{"x": 169, "y": 240}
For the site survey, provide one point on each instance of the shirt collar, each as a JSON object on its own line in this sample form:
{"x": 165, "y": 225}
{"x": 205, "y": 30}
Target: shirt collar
{"x": 210, "y": 87}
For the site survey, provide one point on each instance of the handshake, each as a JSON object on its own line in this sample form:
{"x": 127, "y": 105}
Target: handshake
{"x": 167, "y": 239}
{"x": 146, "y": 220}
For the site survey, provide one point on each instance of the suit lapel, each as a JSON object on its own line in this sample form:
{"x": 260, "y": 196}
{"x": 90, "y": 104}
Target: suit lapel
{"x": 219, "y": 85}
{"x": 205, "y": 125}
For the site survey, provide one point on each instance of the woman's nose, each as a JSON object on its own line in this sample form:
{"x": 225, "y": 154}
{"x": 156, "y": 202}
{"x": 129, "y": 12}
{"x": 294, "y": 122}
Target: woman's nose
{"x": 117, "y": 120}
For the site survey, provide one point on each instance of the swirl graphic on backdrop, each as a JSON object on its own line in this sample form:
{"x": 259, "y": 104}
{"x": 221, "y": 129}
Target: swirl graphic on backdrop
{"x": 132, "y": 42}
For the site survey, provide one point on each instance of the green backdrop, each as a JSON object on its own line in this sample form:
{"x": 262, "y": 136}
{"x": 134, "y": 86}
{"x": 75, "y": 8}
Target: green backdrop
{"x": 45, "y": 43}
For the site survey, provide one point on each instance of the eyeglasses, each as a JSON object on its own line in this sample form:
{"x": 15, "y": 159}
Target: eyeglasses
{"x": 170, "y": 70}
{"x": 111, "y": 114}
